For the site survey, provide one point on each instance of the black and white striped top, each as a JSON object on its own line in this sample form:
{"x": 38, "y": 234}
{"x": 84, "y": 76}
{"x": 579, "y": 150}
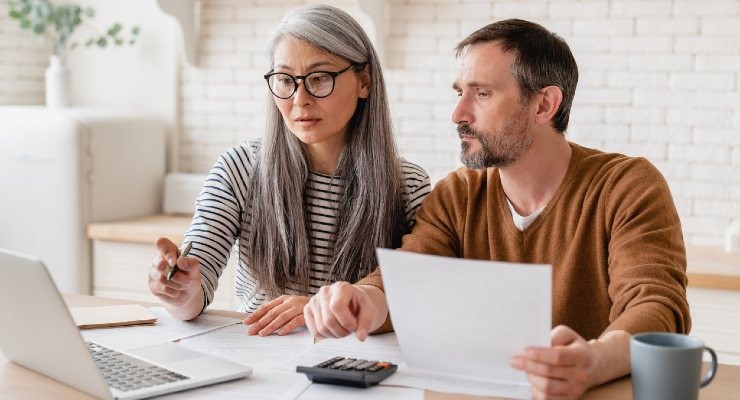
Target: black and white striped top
{"x": 221, "y": 209}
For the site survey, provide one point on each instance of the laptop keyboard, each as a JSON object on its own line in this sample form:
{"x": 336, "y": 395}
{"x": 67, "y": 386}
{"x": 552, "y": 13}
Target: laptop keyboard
{"x": 126, "y": 373}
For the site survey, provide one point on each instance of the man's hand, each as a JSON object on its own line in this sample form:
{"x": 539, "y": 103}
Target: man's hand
{"x": 564, "y": 371}
{"x": 182, "y": 295}
{"x": 283, "y": 315}
{"x": 341, "y": 308}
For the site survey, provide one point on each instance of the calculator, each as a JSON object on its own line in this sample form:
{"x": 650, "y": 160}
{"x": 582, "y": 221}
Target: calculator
{"x": 349, "y": 372}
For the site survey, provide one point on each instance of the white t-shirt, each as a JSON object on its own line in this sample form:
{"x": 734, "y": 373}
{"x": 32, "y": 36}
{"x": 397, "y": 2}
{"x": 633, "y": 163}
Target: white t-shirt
{"x": 523, "y": 222}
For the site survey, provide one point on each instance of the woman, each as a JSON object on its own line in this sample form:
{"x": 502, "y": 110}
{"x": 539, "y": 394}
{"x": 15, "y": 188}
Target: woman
{"x": 309, "y": 202}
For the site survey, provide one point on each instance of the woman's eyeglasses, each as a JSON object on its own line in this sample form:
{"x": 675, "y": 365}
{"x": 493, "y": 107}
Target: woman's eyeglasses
{"x": 318, "y": 83}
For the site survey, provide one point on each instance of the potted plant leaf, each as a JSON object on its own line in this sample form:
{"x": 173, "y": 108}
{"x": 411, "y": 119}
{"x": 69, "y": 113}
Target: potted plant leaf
{"x": 57, "y": 23}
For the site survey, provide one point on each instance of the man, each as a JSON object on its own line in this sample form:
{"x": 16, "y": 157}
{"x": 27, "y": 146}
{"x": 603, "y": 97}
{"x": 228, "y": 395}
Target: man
{"x": 606, "y": 222}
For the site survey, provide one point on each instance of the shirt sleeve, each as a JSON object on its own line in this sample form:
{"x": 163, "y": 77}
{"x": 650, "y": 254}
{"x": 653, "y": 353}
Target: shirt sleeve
{"x": 218, "y": 215}
{"x": 647, "y": 257}
{"x": 416, "y": 185}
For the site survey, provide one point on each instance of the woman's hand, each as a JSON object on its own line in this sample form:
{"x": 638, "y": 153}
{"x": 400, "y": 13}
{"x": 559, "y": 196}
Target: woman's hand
{"x": 182, "y": 295}
{"x": 283, "y": 315}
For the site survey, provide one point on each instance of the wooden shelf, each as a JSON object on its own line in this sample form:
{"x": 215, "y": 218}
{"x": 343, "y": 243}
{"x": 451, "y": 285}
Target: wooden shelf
{"x": 708, "y": 267}
{"x": 713, "y": 268}
{"x": 142, "y": 230}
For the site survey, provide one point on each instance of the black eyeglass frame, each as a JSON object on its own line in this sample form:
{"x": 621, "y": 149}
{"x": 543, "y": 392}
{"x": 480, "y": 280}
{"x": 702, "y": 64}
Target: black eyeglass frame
{"x": 334, "y": 75}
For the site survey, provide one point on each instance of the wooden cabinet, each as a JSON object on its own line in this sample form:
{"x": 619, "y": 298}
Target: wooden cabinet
{"x": 123, "y": 252}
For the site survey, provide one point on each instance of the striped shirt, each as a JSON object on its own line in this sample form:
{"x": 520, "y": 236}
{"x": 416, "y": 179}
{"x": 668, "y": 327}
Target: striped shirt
{"x": 220, "y": 219}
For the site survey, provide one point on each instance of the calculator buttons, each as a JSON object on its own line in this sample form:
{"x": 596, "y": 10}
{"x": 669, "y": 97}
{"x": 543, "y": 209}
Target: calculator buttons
{"x": 349, "y": 371}
{"x": 328, "y": 362}
{"x": 353, "y": 364}
{"x": 365, "y": 364}
{"x": 341, "y": 363}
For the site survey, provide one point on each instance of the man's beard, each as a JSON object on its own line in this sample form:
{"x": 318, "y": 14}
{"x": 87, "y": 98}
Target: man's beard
{"x": 498, "y": 149}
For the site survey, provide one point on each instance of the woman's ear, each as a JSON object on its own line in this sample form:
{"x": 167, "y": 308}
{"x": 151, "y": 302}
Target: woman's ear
{"x": 549, "y": 100}
{"x": 365, "y": 82}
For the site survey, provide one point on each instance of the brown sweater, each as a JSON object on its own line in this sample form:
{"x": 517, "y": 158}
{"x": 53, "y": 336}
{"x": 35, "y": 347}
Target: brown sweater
{"x": 611, "y": 233}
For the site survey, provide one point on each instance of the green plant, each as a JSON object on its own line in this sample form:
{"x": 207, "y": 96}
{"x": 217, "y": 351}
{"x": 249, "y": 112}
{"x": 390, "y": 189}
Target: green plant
{"x": 57, "y": 23}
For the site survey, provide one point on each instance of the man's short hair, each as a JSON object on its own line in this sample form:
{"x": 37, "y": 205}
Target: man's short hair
{"x": 541, "y": 58}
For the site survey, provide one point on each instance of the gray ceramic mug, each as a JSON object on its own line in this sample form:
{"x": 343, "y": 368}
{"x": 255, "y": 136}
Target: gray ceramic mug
{"x": 667, "y": 366}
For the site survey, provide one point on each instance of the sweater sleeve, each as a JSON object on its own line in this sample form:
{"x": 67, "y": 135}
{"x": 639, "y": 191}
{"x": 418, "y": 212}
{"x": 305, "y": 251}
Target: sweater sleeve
{"x": 647, "y": 258}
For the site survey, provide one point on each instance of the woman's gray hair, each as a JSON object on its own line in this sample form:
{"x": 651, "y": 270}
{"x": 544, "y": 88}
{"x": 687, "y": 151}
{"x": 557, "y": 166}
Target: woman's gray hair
{"x": 371, "y": 208}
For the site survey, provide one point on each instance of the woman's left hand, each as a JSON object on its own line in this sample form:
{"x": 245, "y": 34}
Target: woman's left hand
{"x": 283, "y": 315}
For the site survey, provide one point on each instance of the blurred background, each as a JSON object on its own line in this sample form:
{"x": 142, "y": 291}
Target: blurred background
{"x": 659, "y": 79}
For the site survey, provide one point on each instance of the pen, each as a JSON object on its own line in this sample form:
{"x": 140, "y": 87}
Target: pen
{"x": 183, "y": 253}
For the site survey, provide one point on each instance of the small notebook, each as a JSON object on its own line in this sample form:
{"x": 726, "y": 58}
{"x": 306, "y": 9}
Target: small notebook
{"x": 110, "y": 316}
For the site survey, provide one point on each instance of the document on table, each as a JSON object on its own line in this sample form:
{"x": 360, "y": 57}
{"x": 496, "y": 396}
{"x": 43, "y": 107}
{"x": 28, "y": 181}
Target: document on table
{"x": 167, "y": 329}
{"x": 263, "y": 385}
{"x": 375, "y": 347}
{"x": 333, "y": 392}
{"x": 177, "y": 329}
{"x": 464, "y": 319}
{"x": 233, "y": 343}
{"x": 271, "y": 358}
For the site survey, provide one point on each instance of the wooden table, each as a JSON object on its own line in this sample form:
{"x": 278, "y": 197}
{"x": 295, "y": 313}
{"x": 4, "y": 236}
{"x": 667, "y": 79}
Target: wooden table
{"x": 20, "y": 383}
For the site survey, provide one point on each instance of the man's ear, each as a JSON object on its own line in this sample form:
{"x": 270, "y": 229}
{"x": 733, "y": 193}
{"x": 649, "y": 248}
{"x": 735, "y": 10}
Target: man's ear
{"x": 365, "y": 82}
{"x": 548, "y": 102}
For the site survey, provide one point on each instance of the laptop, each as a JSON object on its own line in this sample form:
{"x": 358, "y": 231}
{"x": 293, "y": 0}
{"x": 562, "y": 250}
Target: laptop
{"x": 37, "y": 332}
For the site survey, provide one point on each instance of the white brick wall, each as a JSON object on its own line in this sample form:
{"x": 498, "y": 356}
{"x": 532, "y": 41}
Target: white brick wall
{"x": 23, "y": 60}
{"x": 659, "y": 79}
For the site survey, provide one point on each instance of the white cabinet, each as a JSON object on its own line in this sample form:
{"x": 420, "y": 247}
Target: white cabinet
{"x": 61, "y": 169}
{"x": 714, "y": 300}
{"x": 715, "y": 318}
{"x": 122, "y": 258}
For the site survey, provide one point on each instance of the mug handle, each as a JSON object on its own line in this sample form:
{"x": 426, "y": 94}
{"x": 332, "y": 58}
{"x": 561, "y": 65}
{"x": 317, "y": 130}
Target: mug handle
{"x": 712, "y": 368}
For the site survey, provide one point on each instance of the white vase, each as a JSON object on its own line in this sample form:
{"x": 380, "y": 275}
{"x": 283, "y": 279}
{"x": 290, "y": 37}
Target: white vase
{"x": 57, "y": 84}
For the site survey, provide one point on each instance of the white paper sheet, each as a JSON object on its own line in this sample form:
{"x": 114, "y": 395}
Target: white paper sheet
{"x": 265, "y": 385}
{"x": 375, "y": 347}
{"x": 333, "y": 392}
{"x": 271, "y": 359}
{"x": 260, "y": 353}
{"x": 167, "y": 329}
{"x": 447, "y": 383}
{"x": 177, "y": 329}
{"x": 460, "y": 317}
